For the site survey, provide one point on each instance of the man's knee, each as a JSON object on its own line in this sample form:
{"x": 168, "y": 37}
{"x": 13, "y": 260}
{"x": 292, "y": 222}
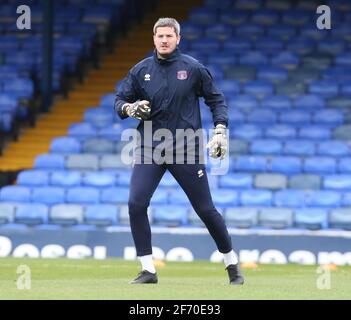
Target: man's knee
{"x": 136, "y": 206}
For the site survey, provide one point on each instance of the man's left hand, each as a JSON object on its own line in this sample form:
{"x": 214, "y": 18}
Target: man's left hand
{"x": 218, "y": 144}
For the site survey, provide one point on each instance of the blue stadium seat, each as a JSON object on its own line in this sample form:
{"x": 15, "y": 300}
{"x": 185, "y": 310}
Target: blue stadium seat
{"x": 265, "y": 17}
{"x": 65, "y": 178}
{"x": 178, "y": 197}
{"x": 228, "y": 87}
{"x": 331, "y": 46}
{"x": 219, "y": 32}
{"x": 324, "y": 88}
{"x": 311, "y": 218}
{"x": 65, "y": 145}
{"x": 337, "y": 182}
{"x": 256, "y": 198}
{"x": 21, "y": 88}
{"x": 236, "y": 181}
{"x": 296, "y": 17}
{"x": 15, "y": 194}
{"x": 328, "y": 117}
{"x": 343, "y": 59}
{"x": 333, "y": 148}
{"x": 248, "y": 4}
{"x": 309, "y": 101}
{"x": 49, "y": 161}
{"x": 281, "y": 31}
{"x": 267, "y": 146}
{"x": 286, "y": 165}
{"x": 123, "y": 177}
{"x": 250, "y": 31}
{"x": 108, "y": 100}
{"x": 247, "y": 132}
{"x": 112, "y": 132}
{"x": 191, "y": 31}
{"x": 114, "y": 195}
{"x": 243, "y": 101}
{"x": 33, "y": 178}
{"x": 280, "y": 131}
{"x": 328, "y": 199}
{"x": 346, "y": 88}
{"x": 8, "y": 103}
{"x": 299, "y": 148}
{"x": 258, "y": 88}
{"x": 222, "y": 58}
{"x": 251, "y": 164}
{"x": 237, "y": 45}
{"x": 32, "y": 214}
{"x": 48, "y": 195}
{"x": 111, "y": 162}
{"x": 170, "y": 216}
{"x": 82, "y": 195}
{"x": 82, "y": 131}
{"x": 203, "y": 16}
{"x": 101, "y": 215}
{"x": 344, "y": 165}
{"x": 295, "y": 117}
{"x": 66, "y": 214}
{"x": 276, "y": 218}
{"x": 320, "y": 165}
{"x": 314, "y": 132}
{"x": 205, "y": 45}
{"x": 168, "y": 180}
{"x": 98, "y": 117}
{"x": 277, "y": 102}
{"x": 225, "y": 197}
{"x": 253, "y": 58}
{"x": 99, "y": 179}
{"x": 290, "y": 198}
{"x": 262, "y": 117}
{"x": 272, "y": 74}
{"x": 233, "y": 17}
{"x": 285, "y": 59}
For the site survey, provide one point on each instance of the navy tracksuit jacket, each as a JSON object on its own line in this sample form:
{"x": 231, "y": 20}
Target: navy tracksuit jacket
{"x": 173, "y": 87}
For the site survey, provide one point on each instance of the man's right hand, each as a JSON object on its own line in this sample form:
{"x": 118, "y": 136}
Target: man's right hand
{"x": 139, "y": 110}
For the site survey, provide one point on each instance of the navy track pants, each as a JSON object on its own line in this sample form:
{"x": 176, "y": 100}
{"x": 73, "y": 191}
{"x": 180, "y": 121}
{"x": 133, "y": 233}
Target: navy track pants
{"x": 144, "y": 181}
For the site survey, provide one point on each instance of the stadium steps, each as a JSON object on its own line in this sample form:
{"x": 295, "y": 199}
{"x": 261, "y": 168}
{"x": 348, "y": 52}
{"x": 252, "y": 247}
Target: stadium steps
{"x": 21, "y": 154}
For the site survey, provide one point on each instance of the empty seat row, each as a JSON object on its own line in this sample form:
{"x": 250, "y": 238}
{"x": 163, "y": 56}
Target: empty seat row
{"x": 34, "y": 214}
{"x": 221, "y": 197}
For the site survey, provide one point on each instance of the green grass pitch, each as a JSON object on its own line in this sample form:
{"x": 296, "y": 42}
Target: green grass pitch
{"x": 108, "y": 279}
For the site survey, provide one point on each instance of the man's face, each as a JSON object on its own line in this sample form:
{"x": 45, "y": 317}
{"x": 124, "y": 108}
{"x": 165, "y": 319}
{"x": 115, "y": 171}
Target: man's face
{"x": 165, "y": 40}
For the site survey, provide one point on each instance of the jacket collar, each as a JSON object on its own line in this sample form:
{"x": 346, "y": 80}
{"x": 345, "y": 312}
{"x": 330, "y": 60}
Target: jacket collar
{"x": 172, "y": 57}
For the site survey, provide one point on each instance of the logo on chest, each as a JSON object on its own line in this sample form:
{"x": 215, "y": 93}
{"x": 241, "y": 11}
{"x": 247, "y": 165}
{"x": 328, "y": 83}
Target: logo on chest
{"x": 182, "y": 75}
{"x": 147, "y": 77}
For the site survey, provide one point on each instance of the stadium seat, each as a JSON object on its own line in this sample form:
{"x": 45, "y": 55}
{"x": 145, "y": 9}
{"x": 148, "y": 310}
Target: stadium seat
{"x": 7, "y": 213}
{"x": 114, "y": 195}
{"x": 262, "y": 117}
{"x": 337, "y": 182}
{"x": 236, "y": 181}
{"x": 98, "y": 117}
{"x": 289, "y": 198}
{"x": 170, "y": 216}
{"x": 270, "y": 181}
{"x": 305, "y": 182}
{"x": 250, "y": 31}
{"x": 82, "y": 162}
{"x": 329, "y": 199}
{"x": 33, "y": 178}
{"x": 203, "y": 16}
{"x": 299, "y": 148}
{"x": 49, "y": 161}
{"x": 276, "y": 218}
{"x": 160, "y": 196}
{"x": 15, "y": 194}
{"x": 295, "y": 117}
{"x": 224, "y": 197}
{"x": 333, "y": 148}
{"x": 98, "y": 146}
{"x": 313, "y": 219}
{"x": 253, "y": 58}
{"x": 276, "y": 102}
{"x": 251, "y": 164}
{"x": 314, "y": 132}
{"x": 286, "y": 165}
{"x": 342, "y": 132}
{"x": 241, "y": 217}
{"x": 112, "y": 132}
{"x": 32, "y": 214}
{"x": 251, "y": 198}
{"x": 326, "y": 89}
{"x": 258, "y": 88}
{"x": 309, "y": 102}
{"x": 238, "y": 146}
{"x": 82, "y": 195}
{"x": 328, "y": 117}
{"x": 65, "y": 178}
{"x": 266, "y": 147}
{"x": 280, "y": 131}
{"x": 344, "y": 165}
{"x": 66, "y": 214}
{"x": 99, "y": 179}
{"x": 82, "y": 131}
{"x": 194, "y": 219}
{"x": 65, "y": 145}
{"x": 247, "y": 132}
{"x": 48, "y": 195}
{"x": 191, "y": 31}
{"x": 319, "y": 165}
{"x": 101, "y": 215}
{"x": 219, "y": 32}
{"x": 237, "y": 45}
{"x": 340, "y": 218}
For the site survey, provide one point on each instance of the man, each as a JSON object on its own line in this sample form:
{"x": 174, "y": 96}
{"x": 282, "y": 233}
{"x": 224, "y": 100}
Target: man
{"x": 164, "y": 90}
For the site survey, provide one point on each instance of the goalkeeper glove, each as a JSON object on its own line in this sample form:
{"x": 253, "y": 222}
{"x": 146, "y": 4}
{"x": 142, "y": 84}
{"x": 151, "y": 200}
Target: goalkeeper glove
{"x": 139, "y": 110}
{"x": 218, "y": 144}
